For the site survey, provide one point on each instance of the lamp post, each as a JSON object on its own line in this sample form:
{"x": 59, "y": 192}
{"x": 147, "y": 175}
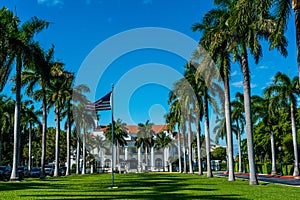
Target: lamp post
{"x": 280, "y": 160}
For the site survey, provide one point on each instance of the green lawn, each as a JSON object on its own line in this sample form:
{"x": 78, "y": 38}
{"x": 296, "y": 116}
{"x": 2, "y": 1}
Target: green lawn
{"x": 143, "y": 186}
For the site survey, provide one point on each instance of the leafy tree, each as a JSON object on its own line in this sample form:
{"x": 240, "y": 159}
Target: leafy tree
{"x": 219, "y": 154}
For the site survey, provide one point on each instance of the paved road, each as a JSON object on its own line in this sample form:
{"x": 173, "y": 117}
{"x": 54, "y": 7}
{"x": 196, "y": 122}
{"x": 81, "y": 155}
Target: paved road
{"x": 269, "y": 179}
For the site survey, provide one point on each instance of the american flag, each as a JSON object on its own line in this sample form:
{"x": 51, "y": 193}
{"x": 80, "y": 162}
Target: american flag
{"x": 101, "y": 104}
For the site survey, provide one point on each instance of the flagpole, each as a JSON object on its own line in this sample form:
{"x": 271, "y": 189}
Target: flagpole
{"x": 112, "y": 138}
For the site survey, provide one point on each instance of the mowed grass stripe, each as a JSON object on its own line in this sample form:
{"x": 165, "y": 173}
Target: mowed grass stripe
{"x": 143, "y": 186}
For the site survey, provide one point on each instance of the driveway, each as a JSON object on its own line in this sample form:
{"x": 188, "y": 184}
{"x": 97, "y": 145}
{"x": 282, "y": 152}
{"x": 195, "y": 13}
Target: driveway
{"x": 285, "y": 180}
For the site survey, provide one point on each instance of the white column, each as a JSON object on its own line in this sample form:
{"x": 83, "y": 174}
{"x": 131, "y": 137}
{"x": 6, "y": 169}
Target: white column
{"x": 126, "y": 153}
{"x": 165, "y": 159}
{"x": 152, "y": 159}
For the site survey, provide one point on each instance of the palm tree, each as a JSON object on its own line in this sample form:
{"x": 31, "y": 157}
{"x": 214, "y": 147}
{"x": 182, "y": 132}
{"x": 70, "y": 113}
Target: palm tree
{"x": 174, "y": 117}
{"x": 39, "y": 74}
{"x": 22, "y": 45}
{"x": 197, "y": 106}
{"x": 213, "y": 26}
{"x": 72, "y": 95}
{"x": 58, "y": 93}
{"x": 285, "y": 90}
{"x": 246, "y": 24}
{"x": 239, "y": 122}
{"x": 184, "y": 92}
{"x": 145, "y": 138}
{"x": 162, "y": 141}
{"x": 120, "y": 133}
{"x": 84, "y": 120}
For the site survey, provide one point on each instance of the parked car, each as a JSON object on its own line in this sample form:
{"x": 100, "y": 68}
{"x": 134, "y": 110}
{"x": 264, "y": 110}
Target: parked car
{"x": 23, "y": 172}
{"x": 49, "y": 170}
{"x": 35, "y": 172}
{"x": 62, "y": 171}
{"x": 5, "y": 172}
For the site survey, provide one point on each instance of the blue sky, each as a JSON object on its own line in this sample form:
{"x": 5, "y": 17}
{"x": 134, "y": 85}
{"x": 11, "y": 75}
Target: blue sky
{"x": 77, "y": 27}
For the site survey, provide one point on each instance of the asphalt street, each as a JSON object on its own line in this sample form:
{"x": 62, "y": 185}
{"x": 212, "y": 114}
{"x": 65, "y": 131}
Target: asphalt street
{"x": 290, "y": 181}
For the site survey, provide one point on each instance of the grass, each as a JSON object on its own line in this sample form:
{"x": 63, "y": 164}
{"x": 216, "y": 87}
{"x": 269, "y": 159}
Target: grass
{"x": 143, "y": 186}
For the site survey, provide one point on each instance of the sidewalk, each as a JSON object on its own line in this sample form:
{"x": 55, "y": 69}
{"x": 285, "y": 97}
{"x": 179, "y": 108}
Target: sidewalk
{"x": 284, "y": 180}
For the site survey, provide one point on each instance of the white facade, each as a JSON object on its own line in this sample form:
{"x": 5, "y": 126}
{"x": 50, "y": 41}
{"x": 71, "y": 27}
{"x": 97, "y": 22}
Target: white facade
{"x": 130, "y": 158}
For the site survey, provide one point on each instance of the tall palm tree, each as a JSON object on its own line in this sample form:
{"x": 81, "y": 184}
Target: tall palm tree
{"x": 162, "y": 141}
{"x": 213, "y": 27}
{"x": 22, "y": 45}
{"x": 84, "y": 120}
{"x": 174, "y": 117}
{"x": 238, "y": 117}
{"x": 197, "y": 107}
{"x": 58, "y": 94}
{"x": 186, "y": 96}
{"x": 246, "y": 24}
{"x": 73, "y": 94}
{"x": 286, "y": 90}
{"x": 37, "y": 77}
{"x": 145, "y": 138}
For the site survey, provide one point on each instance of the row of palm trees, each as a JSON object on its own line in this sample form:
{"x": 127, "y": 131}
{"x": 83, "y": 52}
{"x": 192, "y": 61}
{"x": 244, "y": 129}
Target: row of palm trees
{"x": 46, "y": 82}
{"x": 231, "y": 32}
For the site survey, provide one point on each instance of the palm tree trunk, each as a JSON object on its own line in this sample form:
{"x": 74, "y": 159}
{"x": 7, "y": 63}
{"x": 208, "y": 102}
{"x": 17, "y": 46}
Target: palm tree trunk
{"x": 295, "y": 145}
{"x": 68, "y": 171}
{"x": 199, "y": 153}
{"x": 207, "y": 138}
{"x": 272, "y": 138}
{"x": 139, "y": 160}
{"x": 29, "y": 146}
{"x": 184, "y": 152}
{"x": 179, "y": 152}
{"x": 249, "y": 128}
{"x": 44, "y": 132}
{"x": 228, "y": 129}
{"x": 239, "y": 146}
{"x": 296, "y": 8}
{"x": 57, "y": 141}
{"x": 14, "y": 174}
{"x": 84, "y": 153}
{"x": 190, "y": 145}
{"x": 78, "y": 152}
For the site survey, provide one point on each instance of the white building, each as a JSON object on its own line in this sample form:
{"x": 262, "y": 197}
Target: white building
{"x": 130, "y": 158}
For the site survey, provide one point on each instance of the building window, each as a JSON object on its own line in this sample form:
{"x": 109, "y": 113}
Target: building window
{"x": 107, "y": 163}
{"x": 158, "y": 163}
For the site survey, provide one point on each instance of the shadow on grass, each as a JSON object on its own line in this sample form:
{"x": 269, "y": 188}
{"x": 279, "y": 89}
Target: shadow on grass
{"x": 131, "y": 186}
